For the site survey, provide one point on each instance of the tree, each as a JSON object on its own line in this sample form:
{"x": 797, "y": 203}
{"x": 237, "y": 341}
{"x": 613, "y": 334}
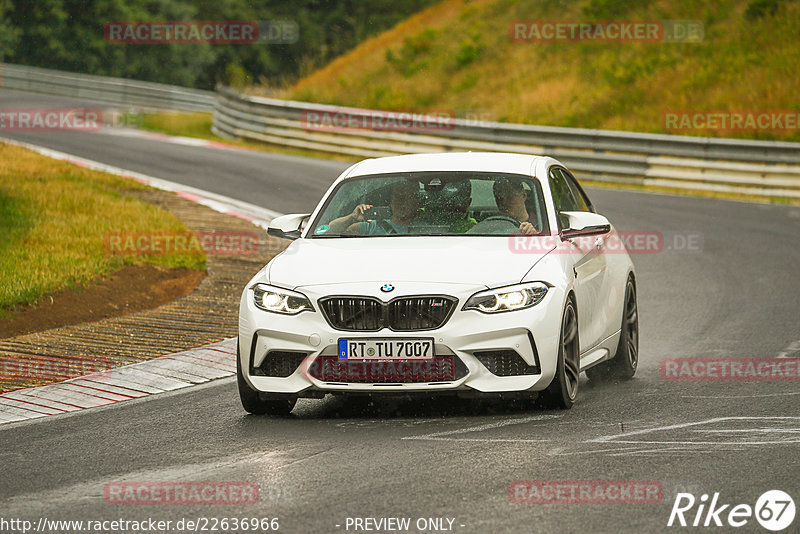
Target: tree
{"x": 68, "y": 35}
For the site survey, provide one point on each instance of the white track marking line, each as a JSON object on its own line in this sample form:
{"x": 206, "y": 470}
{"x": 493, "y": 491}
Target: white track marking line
{"x": 487, "y": 440}
{"x": 439, "y": 436}
{"x": 739, "y": 396}
{"x": 559, "y": 451}
{"x": 616, "y": 438}
{"x": 754, "y": 430}
{"x": 237, "y": 208}
{"x": 791, "y": 351}
{"x": 666, "y": 450}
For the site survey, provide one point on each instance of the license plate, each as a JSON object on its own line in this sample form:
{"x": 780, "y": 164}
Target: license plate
{"x": 385, "y": 349}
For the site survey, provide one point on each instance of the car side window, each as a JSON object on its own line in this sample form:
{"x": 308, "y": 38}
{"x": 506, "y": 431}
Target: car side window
{"x": 563, "y": 197}
{"x": 577, "y": 191}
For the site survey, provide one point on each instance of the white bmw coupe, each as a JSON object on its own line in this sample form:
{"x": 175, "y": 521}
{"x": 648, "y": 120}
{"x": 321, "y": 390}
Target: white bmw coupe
{"x": 469, "y": 273}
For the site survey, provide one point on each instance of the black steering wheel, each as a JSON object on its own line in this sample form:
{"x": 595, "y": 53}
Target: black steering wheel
{"x": 505, "y": 218}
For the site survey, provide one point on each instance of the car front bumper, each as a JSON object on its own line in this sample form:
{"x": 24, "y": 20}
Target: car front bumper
{"x": 532, "y": 333}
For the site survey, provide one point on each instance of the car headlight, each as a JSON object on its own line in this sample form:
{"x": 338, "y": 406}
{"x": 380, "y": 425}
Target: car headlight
{"x": 277, "y": 300}
{"x": 508, "y": 298}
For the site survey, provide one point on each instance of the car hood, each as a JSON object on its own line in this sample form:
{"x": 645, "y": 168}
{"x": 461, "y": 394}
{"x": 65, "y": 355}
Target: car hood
{"x": 479, "y": 261}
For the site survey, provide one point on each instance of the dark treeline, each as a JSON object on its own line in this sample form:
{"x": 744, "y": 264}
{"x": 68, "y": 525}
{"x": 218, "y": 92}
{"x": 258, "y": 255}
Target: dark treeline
{"x": 68, "y": 35}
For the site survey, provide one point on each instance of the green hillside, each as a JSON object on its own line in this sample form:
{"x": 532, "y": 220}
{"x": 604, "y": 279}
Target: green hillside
{"x": 459, "y": 56}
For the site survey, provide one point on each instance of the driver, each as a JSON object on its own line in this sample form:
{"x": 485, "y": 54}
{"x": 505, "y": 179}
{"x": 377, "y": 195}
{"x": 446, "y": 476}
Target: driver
{"x": 405, "y": 206}
{"x": 510, "y": 196}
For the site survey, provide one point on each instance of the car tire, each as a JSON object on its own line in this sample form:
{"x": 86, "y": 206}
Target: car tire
{"x": 625, "y": 361}
{"x": 563, "y": 390}
{"x": 252, "y": 401}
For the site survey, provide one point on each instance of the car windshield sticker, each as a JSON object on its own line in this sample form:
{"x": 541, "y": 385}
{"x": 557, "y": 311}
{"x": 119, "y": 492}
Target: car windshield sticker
{"x": 322, "y": 229}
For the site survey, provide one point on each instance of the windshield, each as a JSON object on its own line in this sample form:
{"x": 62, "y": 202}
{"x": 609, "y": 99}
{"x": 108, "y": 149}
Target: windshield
{"x": 433, "y": 203}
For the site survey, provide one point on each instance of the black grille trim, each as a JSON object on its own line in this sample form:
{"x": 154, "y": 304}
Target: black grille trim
{"x": 412, "y": 313}
{"x": 279, "y": 364}
{"x": 333, "y": 370}
{"x": 505, "y": 363}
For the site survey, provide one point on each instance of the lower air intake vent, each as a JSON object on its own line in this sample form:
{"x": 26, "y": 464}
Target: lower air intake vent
{"x": 279, "y": 363}
{"x": 505, "y": 363}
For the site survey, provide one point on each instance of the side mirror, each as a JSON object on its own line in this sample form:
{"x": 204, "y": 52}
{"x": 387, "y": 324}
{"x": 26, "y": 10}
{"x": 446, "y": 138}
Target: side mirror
{"x": 287, "y": 226}
{"x": 584, "y": 223}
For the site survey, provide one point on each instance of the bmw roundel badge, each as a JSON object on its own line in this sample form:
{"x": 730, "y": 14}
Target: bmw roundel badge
{"x": 386, "y": 288}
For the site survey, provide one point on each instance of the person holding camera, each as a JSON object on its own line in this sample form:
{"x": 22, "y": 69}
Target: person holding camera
{"x": 405, "y": 207}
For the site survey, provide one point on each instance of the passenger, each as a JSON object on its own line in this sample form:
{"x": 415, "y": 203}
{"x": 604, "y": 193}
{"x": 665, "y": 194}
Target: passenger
{"x": 405, "y": 207}
{"x": 450, "y": 207}
{"x": 510, "y": 197}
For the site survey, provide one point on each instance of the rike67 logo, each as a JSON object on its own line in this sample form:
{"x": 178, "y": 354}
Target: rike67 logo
{"x": 774, "y": 510}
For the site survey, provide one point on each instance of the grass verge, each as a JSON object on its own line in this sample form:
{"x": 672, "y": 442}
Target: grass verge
{"x": 54, "y": 220}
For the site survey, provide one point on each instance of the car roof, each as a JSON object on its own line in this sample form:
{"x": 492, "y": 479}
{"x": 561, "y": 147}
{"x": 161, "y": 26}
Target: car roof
{"x": 449, "y": 161}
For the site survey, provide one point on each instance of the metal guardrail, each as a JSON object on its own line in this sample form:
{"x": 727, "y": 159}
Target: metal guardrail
{"x": 116, "y": 91}
{"x": 754, "y": 167}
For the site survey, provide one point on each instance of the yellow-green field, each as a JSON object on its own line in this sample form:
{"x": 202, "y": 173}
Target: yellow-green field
{"x": 458, "y": 56}
{"x": 186, "y": 124}
{"x": 54, "y": 219}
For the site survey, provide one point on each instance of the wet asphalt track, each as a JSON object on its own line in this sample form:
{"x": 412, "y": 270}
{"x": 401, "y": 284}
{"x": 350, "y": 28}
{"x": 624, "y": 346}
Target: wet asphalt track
{"x": 735, "y": 295}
